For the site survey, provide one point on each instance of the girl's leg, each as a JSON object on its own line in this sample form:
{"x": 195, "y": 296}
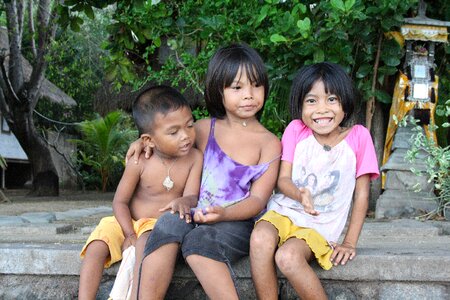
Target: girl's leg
{"x": 292, "y": 258}
{"x": 157, "y": 262}
{"x": 211, "y": 249}
{"x": 263, "y": 243}
{"x": 156, "y": 272}
{"x": 92, "y": 269}
{"x": 214, "y": 276}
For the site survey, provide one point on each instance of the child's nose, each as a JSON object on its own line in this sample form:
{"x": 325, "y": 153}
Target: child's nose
{"x": 248, "y": 93}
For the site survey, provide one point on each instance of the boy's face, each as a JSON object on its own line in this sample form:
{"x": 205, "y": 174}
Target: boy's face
{"x": 173, "y": 134}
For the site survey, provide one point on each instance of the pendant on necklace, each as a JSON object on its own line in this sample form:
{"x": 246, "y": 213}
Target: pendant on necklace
{"x": 326, "y": 147}
{"x": 168, "y": 183}
{"x": 244, "y": 124}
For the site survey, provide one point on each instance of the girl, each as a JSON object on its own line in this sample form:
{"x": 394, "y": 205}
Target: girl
{"x": 301, "y": 225}
{"x": 240, "y": 166}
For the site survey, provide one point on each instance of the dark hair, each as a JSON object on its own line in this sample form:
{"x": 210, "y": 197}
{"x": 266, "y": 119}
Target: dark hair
{"x": 222, "y": 70}
{"x": 335, "y": 80}
{"x": 153, "y": 100}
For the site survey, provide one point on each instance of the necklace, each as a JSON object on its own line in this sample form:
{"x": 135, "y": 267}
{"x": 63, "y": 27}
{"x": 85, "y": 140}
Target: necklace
{"x": 327, "y": 147}
{"x": 168, "y": 182}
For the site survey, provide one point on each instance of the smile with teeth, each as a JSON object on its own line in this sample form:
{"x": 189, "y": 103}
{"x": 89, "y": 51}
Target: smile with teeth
{"x": 323, "y": 121}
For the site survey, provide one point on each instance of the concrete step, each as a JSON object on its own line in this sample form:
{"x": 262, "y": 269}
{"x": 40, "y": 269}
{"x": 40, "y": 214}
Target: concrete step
{"x": 397, "y": 259}
{"x": 398, "y": 203}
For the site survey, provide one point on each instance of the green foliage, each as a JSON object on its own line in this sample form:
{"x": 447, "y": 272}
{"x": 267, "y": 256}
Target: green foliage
{"x": 2, "y": 162}
{"x": 437, "y": 161}
{"x": 75, "y": 65}
{"x": 102, "y": 148}
{"x": 288, "y": 34}
{"x": 172, "y": 41}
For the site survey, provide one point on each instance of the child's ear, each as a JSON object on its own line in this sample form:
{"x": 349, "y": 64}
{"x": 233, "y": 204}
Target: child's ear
{"x": 147, "y": 140}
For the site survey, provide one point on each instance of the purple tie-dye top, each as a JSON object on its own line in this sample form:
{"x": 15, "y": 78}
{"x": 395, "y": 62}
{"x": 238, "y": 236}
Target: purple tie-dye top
{"x": 225, "y": 181}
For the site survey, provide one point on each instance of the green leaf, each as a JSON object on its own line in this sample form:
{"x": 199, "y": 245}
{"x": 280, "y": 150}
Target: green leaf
{"x": 349, "y": 4}
{"x": 262, "y": 15}
{"x": 304, "y": 25}
{"x": 338, "y": 4}
{"x": 277, "y": 38}
{"x": 319, "y": 56}
{"x": 391, "y": 61}
{"x": 383, "y": 97}
{"x": 89, "y": 12}
{"x": 157, "y": 42}
{"x": 363, "y": 71}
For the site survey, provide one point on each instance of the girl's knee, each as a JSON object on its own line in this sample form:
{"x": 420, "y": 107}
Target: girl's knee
{"x": 263, "y": 237}
{"x": 289, "y": 258}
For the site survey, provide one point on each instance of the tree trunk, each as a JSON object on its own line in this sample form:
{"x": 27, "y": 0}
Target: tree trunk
{"x": 45, "y": 176}
{"x": 378, "y": 132}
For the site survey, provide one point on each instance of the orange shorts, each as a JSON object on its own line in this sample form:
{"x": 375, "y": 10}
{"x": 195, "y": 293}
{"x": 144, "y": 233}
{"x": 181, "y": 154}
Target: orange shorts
{"x": 109, "y": 231}
{"x": 286, "y": 230}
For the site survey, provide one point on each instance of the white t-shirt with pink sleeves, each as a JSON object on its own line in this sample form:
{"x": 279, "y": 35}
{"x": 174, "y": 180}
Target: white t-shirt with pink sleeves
{"x": 329, "y": 175}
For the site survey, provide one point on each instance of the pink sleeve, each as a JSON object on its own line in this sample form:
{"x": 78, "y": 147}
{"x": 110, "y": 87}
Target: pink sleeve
{"x": 366, "y": 158}
{"x": 288, "y": 142}
{"x": 293, "y": 133}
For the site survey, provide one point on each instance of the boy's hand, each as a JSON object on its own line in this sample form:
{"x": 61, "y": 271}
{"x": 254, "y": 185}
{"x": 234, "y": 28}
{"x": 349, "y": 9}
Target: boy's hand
{"x": 135, "y": 151}
{"x": 307, "y": 202}
{"x": 130, "y": 240}
{"x": 342, "y": 253}
{"x": 180, "y": 205}
{"x": 213, "y": 214}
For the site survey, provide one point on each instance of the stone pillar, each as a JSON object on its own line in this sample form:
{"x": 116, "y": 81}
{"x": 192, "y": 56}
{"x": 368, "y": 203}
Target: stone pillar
{"x": 405, "y": 194}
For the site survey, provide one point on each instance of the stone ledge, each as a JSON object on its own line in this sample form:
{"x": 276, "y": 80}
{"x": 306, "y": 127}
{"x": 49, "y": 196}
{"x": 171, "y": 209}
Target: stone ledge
{"x": 371, "y": 264}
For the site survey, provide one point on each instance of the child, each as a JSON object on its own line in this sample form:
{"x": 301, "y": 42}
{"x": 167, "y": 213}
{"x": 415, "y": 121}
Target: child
{"x": 240, "y": 167}
{"x": 303, "y": 223}
{"x": 169, "y": 180}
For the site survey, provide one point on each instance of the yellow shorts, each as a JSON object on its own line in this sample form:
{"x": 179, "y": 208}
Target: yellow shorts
{"x": 286, "y": 230}
{"x": 109, "y": 231}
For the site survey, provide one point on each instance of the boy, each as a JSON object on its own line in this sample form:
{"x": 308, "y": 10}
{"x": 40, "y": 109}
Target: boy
{"x": 169, "y": 180}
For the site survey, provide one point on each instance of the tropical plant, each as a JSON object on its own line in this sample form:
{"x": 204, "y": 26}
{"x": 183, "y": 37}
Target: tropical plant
{"x": 102, "y": 147}
{"x": 437, "y": 161}
{"x": 3, "y": 165}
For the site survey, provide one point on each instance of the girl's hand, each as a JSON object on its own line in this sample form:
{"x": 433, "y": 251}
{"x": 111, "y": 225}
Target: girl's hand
{"x": 135, "y": 151}
{"x": 130, "y": 240}
{"x": 342, "y": 253}
{"x": 213, "y": 214}
{"x": 307, "y": 202}
{"x": 180, "y": 205}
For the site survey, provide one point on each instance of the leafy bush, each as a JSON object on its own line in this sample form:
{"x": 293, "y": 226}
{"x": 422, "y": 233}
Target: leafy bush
{"x": 437, "y": 161}
{"x": 102, "y": 148}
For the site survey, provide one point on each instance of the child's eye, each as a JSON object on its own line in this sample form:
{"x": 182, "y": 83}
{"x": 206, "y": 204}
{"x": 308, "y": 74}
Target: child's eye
{"x": 310, "y": 101}
{"x": 173, "y": 132}
{"x": 333, "y": 99}
{"x": 190, "y": 124}
{"x": 236, "y": 87}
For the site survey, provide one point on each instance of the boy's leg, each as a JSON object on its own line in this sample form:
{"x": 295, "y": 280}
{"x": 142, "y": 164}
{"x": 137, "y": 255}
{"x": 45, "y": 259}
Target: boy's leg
{"x": 214, "y": 276}
{"x": 92, "y": 269}
{"x": 292, "y": 258}
{"x": 263, "y": 244}
{"x": 140, "y": 244}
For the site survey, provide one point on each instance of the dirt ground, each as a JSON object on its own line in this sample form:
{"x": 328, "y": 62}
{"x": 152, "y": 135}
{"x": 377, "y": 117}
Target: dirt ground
{"x": 21, "y": 203}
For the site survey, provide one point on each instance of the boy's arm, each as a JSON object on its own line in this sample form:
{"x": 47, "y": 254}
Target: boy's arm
{"x": 287, "y": 187}
{"x": 123, "y": 195}
{"x": 347, "y": 250}
{"x": 189, "y": 199}
{"x": 260, "y": 191}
